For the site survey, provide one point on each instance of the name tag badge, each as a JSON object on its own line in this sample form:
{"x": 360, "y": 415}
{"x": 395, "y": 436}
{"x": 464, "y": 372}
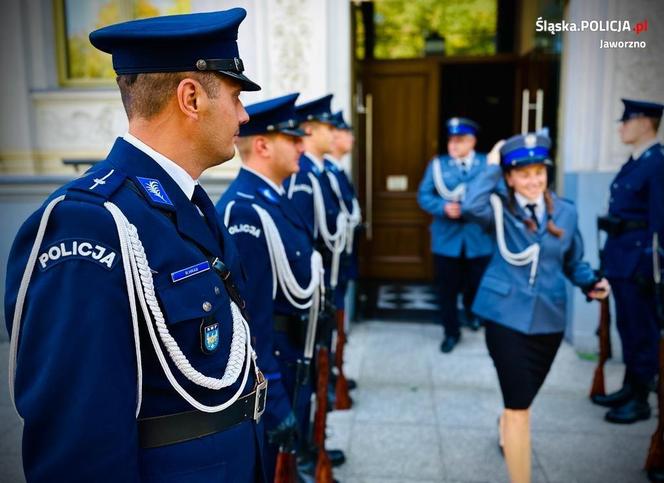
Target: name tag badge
{"x": 190, "y": 271}
{"x": 209, "y": 336}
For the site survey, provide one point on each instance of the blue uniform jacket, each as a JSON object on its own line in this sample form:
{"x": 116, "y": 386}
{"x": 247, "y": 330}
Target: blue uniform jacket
{"x": 505, "y": 295}
{"x": 245, "y": 226}
{"x": 76, "y": 379}
{"x": 637, "y": 194}
{"x": 452, "y": 237}
{"x": 300, "y": 192}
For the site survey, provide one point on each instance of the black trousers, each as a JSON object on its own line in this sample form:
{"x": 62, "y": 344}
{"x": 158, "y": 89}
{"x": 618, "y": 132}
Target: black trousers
{"x": 637, "y": 325}
{"x": 455, "y": 275}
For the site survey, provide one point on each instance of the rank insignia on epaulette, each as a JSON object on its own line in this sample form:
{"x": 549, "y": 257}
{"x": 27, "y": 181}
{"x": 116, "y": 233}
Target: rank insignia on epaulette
{"x": 155, "y": 190}
{"x": 209, "y": 336}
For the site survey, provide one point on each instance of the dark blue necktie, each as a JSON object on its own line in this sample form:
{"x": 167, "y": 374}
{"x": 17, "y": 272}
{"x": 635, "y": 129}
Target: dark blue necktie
{"x": 202, "y": 200}
{"x": 531, "y": 207}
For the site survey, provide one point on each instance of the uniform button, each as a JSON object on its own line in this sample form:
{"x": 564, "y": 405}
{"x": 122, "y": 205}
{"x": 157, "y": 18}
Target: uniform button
{"x": 297, "y": 253}
{"x": 207, "y": 306}
{"x": 277, "y": 353}
{"x": 217, "y": 290}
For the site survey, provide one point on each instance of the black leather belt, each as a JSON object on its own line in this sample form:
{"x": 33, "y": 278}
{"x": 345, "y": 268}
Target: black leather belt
{"x": 285, "y": 323}
{"x": 177, "y": 428}
{"x": 615, "y": 226}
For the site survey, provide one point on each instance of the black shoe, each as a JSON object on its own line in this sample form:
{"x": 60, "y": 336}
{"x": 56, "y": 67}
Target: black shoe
{"x": 636, "y": 409}
{"x": 337, "y": 457}
{"x": 306, "y": 472}
{"x": 614, "y": 399}
{"x": 449, "y": 342}
{"x": 474, "y": 324}
{"x": 352, "y": 384}
{"x": 656, "y": 475}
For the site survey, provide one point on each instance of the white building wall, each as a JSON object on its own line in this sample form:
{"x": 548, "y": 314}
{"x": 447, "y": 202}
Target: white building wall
{"x": 590, "y": 152}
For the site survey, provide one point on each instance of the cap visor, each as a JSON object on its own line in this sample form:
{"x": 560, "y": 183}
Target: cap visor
{"x": 293, "y": 132}
{"x": 247, "y": 84}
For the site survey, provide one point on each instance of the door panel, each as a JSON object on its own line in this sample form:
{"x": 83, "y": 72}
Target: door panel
{"x": 404, "y": 133}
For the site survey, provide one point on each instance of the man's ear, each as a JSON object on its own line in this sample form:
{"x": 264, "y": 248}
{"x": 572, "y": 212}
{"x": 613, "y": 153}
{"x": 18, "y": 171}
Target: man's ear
{"x": 191, "y": 97}
{"x": 262, "y": 145}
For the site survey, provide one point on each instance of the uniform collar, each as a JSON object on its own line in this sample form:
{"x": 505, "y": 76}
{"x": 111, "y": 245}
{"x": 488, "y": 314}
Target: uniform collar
{"x": 333, "y": 161}
{"x": 186, "y": 183}
{"x": 278, "y": 188}
{"x": 523, "y": 201}
{"x": 137, "y": 164}
{"x": 317, "y": 162}
{"x": 468, "y": 160}
{"x": 642, "y": 148}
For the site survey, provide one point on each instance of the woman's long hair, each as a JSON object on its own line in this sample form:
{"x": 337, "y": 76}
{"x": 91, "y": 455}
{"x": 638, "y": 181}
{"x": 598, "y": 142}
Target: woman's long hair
{"x": 551, "y": 227}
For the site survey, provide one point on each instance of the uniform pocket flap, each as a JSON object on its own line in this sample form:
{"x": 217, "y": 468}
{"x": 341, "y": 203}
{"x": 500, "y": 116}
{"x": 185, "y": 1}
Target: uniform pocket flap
{"x": 196, "y": 297}
{"x": 501, "y": 287}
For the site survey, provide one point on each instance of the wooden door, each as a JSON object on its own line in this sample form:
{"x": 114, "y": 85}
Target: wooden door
{"x": 402, "y": 128}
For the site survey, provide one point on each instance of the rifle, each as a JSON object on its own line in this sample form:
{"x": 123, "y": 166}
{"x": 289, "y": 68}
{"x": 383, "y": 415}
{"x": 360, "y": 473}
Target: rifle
{"x": 323, "y": 465}
{"x": 655, "y": 458}
{"x": 343, "y": 400}
{"x": 604, "y": 333}
{"x": 286, "y": 468}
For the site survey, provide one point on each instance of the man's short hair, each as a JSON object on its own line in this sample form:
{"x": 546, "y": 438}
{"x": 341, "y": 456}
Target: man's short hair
{"x": 145, "y": 95}
{"x": 655, "y": 121}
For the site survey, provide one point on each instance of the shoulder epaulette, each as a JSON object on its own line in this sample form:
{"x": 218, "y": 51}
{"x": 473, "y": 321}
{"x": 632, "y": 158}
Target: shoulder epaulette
{"x": 268, "y": 195}
{"x": 98, "y": 185}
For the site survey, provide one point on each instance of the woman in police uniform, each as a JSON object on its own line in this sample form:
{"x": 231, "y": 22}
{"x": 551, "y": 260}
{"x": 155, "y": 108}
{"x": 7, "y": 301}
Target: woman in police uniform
{"x": 522, "y": 293}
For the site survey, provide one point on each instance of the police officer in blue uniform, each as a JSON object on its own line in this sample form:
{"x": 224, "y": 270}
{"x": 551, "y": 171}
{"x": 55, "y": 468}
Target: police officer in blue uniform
{"x": 461, "y": 248}
{"x": 636, "y": 211}
{"x": 342, "y": 144}
{"x": 310, "y": 189}
{"x": 276, "y": 247}
{"x": 522, "y": 293}
{"x": 131, "y": 358}
{"x": 270, "y": 146}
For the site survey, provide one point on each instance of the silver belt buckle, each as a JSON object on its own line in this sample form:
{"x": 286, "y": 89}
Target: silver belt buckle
{"x": 261, "y": 396}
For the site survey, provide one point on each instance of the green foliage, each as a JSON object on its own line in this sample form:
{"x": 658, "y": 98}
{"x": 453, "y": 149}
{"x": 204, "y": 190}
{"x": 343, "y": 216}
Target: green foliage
{"x": 469, "y": 26}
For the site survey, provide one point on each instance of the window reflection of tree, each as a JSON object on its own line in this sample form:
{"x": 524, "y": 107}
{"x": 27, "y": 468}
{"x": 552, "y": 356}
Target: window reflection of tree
{"x": 81, "y": 61}
{"x": 401, "y": 26}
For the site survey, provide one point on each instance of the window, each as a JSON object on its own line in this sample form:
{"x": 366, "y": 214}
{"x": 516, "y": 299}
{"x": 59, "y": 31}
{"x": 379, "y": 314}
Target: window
{"x": 79, "y": 63}
{"x": 400, "y": 27}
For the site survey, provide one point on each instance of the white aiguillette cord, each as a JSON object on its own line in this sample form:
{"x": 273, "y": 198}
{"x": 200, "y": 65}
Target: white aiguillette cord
{"x": 456, "y": 194}
{"x": 282, "y": 274}
{"x": 354, "y": 218}
{"x": 139, "y": 275}
{"x": 529, "y": 255}
{"x": 336, "y": 242}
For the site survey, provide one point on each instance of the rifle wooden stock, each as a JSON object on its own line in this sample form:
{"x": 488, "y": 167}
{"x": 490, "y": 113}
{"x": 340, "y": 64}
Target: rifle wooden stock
{"x": 341, "y": 393}
{"x": 598, "y": 387}
{"x": 655, "y": 458}
{"x": 323, "y": 464}
{"x": 286, "y": 469}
